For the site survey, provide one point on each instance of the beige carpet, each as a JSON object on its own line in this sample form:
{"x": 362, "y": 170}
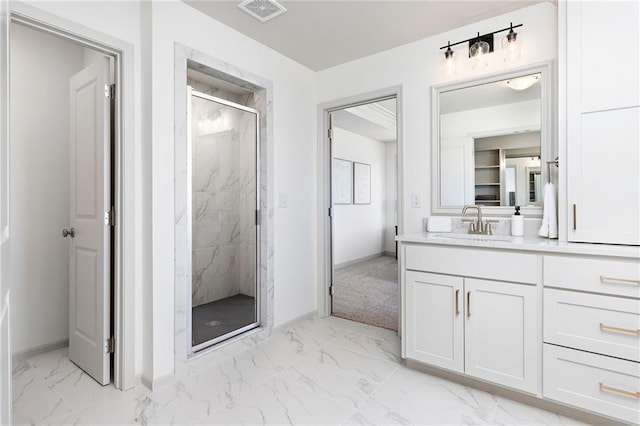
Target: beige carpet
{"x": 367, "y": 292}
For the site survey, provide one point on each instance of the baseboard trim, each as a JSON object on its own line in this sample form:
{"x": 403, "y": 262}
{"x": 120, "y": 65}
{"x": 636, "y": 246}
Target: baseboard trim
{"x": 525, "y": 398}
{"x": 354, "y": 261}
{"x": 160, "y": 382}
{"x": 285, "y": 325}
{"x": 38, "y": 350}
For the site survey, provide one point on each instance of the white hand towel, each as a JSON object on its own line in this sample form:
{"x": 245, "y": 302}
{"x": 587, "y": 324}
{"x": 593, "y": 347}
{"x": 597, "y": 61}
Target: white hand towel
{"x": 549, "y": 226}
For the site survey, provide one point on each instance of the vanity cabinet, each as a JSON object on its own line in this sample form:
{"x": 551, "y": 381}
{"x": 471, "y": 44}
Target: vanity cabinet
{"x": 603, "y": 112}
{"x": 470, "y": 324}
{"x": 592, "y": 334}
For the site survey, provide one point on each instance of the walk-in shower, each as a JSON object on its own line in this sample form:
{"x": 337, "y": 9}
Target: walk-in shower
{"x": 224, "y": 198}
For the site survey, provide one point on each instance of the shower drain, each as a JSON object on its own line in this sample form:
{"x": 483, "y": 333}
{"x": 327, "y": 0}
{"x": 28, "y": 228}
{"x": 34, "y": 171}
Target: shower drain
{"x": 213, "y": 323}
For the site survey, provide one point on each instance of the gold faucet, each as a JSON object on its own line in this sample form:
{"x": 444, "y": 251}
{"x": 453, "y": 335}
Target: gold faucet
{"x": 478, "y": 227}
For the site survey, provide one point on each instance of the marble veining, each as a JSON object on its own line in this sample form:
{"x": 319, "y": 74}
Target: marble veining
{"x": 260, "y": 99}
{"x": 327, "y": 371}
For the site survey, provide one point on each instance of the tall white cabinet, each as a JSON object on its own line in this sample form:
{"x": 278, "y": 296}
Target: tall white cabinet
{"x": 603, "y": 121}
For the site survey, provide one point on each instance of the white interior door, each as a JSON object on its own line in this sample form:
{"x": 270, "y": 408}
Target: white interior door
{"x": 90, "y": 202}
{"x": 5, "y": 335}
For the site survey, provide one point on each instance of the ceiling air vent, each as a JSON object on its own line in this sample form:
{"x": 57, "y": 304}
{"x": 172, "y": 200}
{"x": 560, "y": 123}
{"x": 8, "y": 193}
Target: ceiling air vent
{"x": 262, "y": 9}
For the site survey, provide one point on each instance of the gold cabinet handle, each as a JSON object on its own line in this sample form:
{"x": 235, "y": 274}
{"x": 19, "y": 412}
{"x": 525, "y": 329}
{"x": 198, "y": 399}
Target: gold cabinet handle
{"x": 457, "y": 302}
{"x": 606, "y": 388}
{"x": 575, "y": 222}
{"x": 619, "y": 329}
{"x": 468, "y": 304}
{"x": 606, "y": 279}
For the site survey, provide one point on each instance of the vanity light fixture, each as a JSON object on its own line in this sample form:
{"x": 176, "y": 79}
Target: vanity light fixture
{"x": 481, "y": 45}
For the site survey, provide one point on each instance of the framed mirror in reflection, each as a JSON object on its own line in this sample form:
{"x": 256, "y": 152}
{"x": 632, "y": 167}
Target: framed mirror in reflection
{"x": 491, "y": 136}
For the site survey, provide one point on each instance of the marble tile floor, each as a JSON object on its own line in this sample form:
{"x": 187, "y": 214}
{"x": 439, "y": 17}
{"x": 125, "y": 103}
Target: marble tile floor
{"x": 320, "y": 371}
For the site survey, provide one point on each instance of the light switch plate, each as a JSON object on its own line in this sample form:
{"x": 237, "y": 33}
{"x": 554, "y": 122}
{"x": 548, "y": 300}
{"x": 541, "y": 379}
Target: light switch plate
{"x": 416, "y": 200}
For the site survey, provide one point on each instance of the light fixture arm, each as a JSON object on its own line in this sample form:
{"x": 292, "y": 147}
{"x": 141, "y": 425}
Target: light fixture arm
{"x": 510, "y": 28}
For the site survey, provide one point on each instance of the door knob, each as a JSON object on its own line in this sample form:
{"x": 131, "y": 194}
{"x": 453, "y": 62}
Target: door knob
{"x": 69, "y": 232}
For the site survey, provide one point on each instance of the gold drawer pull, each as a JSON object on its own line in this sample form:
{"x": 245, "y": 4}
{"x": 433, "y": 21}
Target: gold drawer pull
{"x": 604, "y": 387}
{"x": 605, "y": 279}
{"x": 620, "y": 329}
{"x": 457, "y": 302}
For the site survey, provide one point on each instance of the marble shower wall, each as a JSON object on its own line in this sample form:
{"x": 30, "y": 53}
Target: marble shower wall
{"x": 223, "y": 197}
{"x": 259, "y": 95}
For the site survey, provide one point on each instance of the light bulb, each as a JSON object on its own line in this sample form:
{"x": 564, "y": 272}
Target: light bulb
{"x": 511, "y": 44}
{"x": 449, "y": 61}
{"x": 478, "y": 52}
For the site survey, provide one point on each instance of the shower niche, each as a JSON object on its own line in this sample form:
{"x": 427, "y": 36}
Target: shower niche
{"x": 223, "y": 199}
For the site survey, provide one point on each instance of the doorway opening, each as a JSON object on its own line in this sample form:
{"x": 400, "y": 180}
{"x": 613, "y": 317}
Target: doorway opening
{"x": 64, "y": 182}
{"x": 364, "y": 213}
{"x": 223, "y": 176}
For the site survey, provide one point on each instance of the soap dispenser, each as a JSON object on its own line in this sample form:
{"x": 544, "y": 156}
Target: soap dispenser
{"x": 517, "y": 223}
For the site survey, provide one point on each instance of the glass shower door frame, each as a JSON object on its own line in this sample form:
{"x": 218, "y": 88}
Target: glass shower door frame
{"x": 193, "y": 349}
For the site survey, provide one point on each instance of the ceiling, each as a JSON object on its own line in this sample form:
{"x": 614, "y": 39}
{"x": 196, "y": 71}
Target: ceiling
{"x": 375, "y": 120}
{"x": 322, "y": 34}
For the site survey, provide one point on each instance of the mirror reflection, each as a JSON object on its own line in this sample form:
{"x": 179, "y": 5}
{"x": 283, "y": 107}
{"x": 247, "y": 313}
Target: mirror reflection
{"x": 490, "y": 143}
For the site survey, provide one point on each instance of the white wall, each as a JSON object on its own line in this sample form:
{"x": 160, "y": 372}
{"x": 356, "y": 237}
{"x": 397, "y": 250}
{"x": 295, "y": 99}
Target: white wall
{"x": 416, "y": 67}
{"x": 294, "y": 165}
{"x": 359, "y": 229}
{"x": 40, "y": 64}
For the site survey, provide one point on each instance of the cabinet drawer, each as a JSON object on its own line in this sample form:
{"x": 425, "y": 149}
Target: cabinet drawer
{"x": 604, "y": 385}
{"x": 478, "y": 263}
{"x": 615, "y": 277}
{"x": 603, "y": 324}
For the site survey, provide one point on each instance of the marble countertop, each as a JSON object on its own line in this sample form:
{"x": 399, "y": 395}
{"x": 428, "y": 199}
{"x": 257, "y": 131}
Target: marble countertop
{"x": 534, "y": 243}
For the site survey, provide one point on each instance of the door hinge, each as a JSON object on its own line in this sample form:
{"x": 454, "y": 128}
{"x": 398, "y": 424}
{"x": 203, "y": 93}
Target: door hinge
{"x": 257, "y": 217}
{"x": 111, "y": 217}
{"x": 110, "y": 345}
{"x": 329, "y": 211}
{"x": 110, "y": 91}
{"x": 330, "y": 290}
{"x": 330, "y": 133}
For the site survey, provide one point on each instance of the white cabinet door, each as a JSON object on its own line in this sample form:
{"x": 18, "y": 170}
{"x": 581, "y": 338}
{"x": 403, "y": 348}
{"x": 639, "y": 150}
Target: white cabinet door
{"x": 433, "y": 331}
{"x": 501, "y": 333}
{"x": 603, "y": 112}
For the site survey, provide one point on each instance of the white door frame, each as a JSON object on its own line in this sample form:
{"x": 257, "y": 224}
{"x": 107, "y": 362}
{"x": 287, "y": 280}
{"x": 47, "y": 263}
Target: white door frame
{"x": 125, "y": 186}
{"x": 5, "y": 313}
{"x": 324, "y": 178}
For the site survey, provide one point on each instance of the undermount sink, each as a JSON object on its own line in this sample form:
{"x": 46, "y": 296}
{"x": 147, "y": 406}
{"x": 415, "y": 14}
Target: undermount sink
{"x": 475, "y": 237}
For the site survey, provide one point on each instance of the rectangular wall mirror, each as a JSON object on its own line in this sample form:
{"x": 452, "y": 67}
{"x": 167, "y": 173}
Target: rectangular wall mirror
{"x": 491, "y": 138}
